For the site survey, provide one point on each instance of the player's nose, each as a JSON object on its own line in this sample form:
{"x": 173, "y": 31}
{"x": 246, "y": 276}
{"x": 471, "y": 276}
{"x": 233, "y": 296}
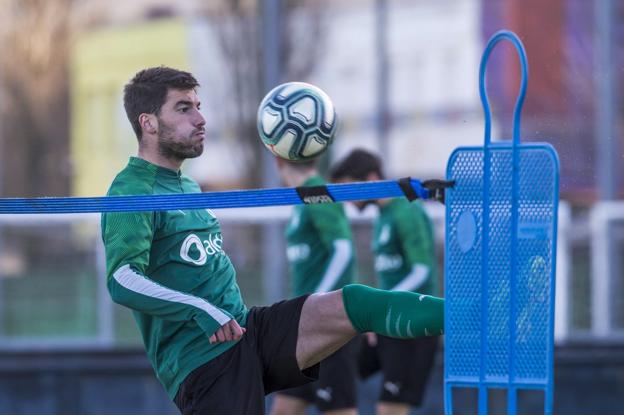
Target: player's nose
{"x": 199, "y": 119}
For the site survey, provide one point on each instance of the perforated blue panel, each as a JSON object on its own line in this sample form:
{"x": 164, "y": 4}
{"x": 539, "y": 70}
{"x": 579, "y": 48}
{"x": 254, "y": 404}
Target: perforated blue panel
{"x": 500, "y": 291}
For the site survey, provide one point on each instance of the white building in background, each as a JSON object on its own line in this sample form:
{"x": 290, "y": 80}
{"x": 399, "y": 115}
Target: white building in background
{"x": 434, "y": 49}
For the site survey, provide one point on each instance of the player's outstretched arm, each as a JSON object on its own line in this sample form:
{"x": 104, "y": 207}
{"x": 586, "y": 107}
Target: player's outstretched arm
{"x": 341, "y": 255}
{"x": 130, "y": 288}
{"x": 330, "y": 320}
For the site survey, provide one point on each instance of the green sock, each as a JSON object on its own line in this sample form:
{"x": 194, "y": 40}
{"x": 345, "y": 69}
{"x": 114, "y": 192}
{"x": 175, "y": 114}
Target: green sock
{"x": 399, "y": 314}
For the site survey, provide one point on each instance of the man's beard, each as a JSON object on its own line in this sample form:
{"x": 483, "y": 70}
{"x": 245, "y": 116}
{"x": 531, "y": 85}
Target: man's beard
{"x": 176, "y": 150}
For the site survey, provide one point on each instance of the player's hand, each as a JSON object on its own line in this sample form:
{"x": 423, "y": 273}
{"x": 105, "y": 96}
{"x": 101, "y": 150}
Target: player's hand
{"x": 230, "y": 331}
{"x": 371, "y": 338}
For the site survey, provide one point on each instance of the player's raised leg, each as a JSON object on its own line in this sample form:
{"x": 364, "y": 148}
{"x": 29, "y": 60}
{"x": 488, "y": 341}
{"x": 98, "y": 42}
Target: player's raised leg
{"x": 329, "y": 320}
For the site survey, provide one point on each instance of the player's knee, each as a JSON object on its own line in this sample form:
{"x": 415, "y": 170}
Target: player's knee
{"x": 360, "y": 301}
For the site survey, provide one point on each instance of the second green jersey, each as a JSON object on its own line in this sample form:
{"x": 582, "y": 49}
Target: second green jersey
{"x": 404, "y": 249}
{"x": 170, "y": 268}
{"x": 320, "y": 246}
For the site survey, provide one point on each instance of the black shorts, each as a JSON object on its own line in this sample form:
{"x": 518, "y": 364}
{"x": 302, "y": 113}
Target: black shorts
{"x": 336, "y": 387}
{"x": 405, "y": 365}
{"x": 263, "y": 361}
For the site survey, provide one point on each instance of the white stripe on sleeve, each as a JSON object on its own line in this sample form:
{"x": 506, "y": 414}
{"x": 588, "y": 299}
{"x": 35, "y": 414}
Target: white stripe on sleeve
{"x": 337, "y": 265}
{"x": 136, "y": 282}
{"x": 414, "y": 279}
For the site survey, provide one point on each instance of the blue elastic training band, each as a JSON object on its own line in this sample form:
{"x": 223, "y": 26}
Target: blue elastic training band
{"x": 209, "y": 200}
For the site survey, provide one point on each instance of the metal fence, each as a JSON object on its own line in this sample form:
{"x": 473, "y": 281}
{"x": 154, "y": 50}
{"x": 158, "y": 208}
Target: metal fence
{"x": 53, "y": 292}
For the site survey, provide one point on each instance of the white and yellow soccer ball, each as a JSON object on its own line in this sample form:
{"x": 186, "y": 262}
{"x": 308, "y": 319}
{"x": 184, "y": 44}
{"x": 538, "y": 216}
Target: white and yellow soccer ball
{"x": 296, "y": 121}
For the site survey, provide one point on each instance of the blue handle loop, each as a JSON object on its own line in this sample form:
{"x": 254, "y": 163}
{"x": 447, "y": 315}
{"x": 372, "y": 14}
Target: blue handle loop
{"x": 487, "y": 165}
{"x": 513, "y": 38}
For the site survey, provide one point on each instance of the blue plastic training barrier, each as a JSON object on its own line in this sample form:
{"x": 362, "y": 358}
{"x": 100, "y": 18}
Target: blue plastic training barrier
{"x": 501, "y": 239}
{"x": 228, "y": 199}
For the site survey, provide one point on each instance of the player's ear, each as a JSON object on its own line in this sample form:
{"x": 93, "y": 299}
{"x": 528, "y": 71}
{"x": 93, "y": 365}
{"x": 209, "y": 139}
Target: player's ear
{"x": 148, "y": 123}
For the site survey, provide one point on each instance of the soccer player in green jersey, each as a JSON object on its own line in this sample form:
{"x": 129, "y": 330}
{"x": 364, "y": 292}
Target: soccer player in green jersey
{"x": 321, "y": 258}
{"x": 404, "y": 251}
{"x": 212, "y": 354}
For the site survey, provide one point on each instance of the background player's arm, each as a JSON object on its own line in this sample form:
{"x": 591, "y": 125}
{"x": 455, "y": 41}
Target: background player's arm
{"x": 341, "y": 255}
{"x": 417, "y": 276}
{"x": 416, "y": 243}
{"x": 336, "y": 236}
{"x": 127, "y": 239}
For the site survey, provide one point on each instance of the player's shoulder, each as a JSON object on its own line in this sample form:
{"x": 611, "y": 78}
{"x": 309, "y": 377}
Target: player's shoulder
{"x": 132, "y": 181}
{"x": 189, "y": 183}
{"x": 405, "y": 209}
{"x": 327, "y": 208}
{"x": 416, "y": 205}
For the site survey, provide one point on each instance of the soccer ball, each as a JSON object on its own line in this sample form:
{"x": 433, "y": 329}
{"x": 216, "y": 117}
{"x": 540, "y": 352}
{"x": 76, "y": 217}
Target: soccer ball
{"x": 296, "y": 121}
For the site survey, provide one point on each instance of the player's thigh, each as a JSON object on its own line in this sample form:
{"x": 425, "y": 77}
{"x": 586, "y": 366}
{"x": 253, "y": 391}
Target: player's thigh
{"x": 323, "y": 328}
{"x": 293, "y": 400}
{"x": 406, "y": 367}
{"x": 286, "y": 404}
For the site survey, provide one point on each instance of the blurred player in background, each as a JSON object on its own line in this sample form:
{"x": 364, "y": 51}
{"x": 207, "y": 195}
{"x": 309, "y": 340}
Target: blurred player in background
{"x": 212, "y": 354}
{"x": 321, "y": 257}
{"x": 404, "y": 250}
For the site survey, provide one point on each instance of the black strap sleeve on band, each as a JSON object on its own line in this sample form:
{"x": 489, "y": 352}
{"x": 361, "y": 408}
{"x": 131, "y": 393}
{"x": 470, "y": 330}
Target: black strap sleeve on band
{"x": 406, "y": 186}
{"x": 438, "y": 188}
{"x": 314, "y": 194}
